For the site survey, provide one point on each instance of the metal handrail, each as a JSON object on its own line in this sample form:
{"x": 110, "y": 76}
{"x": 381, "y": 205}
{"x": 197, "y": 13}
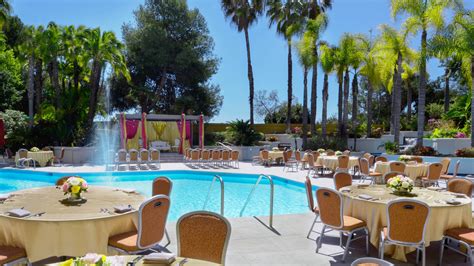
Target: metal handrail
{"x": 272, "y": 189}
{"x": 224, "y": 145}
{"x": 209, "y": 193}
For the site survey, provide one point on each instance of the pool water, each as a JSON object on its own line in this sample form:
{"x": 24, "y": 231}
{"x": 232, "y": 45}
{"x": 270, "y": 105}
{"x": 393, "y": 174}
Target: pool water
{"x": 190, "y": 189}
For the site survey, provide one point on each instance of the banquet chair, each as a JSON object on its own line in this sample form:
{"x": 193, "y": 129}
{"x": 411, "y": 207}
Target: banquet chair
{"x": 203, "y": 235}
{"x": 389, "y": 175}
{"x": 152, "y": 216}
{"x": 234, "y": 156}
{"x": 461, "y": 185}
{"x": 216, "y": 157}
{"x": 342, "y": 179}
{"x": 289, "y": 163}
{"x": 144, "y": 158}
{"x": 331, "y": 211}
{"x": 381, "y": 159}
{"x": 461, "y": 237}
{"x": 447, "y": 177}
{"x": 433, "y": 176}
{"x": 330, "y": 152}
{"x": 445, "y": 162}
{"x": 406, "y": 232}
{"x": 371, "y": 161}
{"x": 365, "y": 173}
{"x": 417, "y": 159}
{"x": 23, "y": 158}
{"x": 10, "y": 256}
{"x": 121, "y": 158}
{"x": 133, "y": 159}
{"x": 346, "y": 153}
{"x": 59, "y": 160}
{"x": 154, "y": 159}
{"x": 312, "y": 208}
{"x": 366, "y": 155}
{"x": 368, "y": 261}
{"x": 298, "y": 157}
{"x": 264, "y": 157}
{"x": 225, "y": 159}
{"x": 397, "y": 167}
{"x": 162, "y": 185}
{"x": 205, "y": 157}
{"x": 312, "y": 165}
{"x": 342, "y": 163}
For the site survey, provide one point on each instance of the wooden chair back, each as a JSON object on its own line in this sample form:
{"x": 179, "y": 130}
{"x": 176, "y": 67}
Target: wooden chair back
{"x": 152, "y": 216}
{"x": 405, "y": 230}
{"x": 343, "y": 161}
{"x": 225, "y": 155}
{"x": 330, "y": 207}
{"x": 381, "y": 159}
{"x": 434, "y": 171}
{"x": 330, "y": 152}
{"x": 445, "y": 162}
{"x": 162, "y": 185}
{"x": 23, "y": 153}
{"x": 234, "y": 155}
{"x": 203, "y": 235}
{"x": 205, "y": 155}
{"x": 264, "y": 155}
{"x": 155, "y": 155}
{"x": 397, "y": 167}
{"x": 342, "y": 179}
{"x": 144, "y": 155}
{"x": 133, "y": 155}
{"x": 122, "y": 155}
{"x": 364, "y": 166}
{"x": 461, "y": 185}
{"x": 309, "y": 193}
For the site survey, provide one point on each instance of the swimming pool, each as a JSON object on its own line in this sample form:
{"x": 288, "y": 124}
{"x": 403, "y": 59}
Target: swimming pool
{"x": 190, "y": 189}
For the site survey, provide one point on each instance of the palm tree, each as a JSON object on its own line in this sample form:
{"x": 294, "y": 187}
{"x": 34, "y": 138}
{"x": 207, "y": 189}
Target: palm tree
{"x": 458, "y": 40}
{"x": 51, "y": 49}
{"x": 409, "y": 71}
{"x": 370, "y": 70}
{"x": 422, "y": 15}
{"x": 327, "y": 62}
{"x": 316, "y": 14}
{"x": 357, "y": 58}
{"x": 307, "y": 58}
{"x": 101, "y": 49}
{"x": 29, "y": 50}
{"x": 392, "y": 48}
{"x": 243, "y": 13}
{"x": 286, "y": 14}
{"x": 5, "y": 9}
{"x": 73, "y": 40}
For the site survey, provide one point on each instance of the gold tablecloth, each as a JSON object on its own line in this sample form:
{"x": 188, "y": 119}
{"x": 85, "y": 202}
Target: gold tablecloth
{"x": 42, "y": 157}
{"x": 413, "y": 171}
{"x": 332, "y": 162}
{"x": 66, "y": 230}
{"x": 374, "y": 213}
{"x": 274, "y": 155}
{"x": 189, "y": 262}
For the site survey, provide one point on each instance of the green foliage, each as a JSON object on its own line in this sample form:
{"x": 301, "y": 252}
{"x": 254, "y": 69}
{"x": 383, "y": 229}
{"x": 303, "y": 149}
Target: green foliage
{"x": 333, "y": 143}
{"x": 434, "y": 110}
{"x": 390, "y": 147}
{"x": 171, "y": 77}
{"x": 279, "y": 115}
{"x": 16, "y": 127}
{"x": 460, "y": 110}
{"x": 444, "y": 133}
{"x": 211, "y": 138}
{"x": 465, "y": 152}
{"x": 11, "y": 82}
{"x": 241, "y": 133}
{"x": 421, "y": 151}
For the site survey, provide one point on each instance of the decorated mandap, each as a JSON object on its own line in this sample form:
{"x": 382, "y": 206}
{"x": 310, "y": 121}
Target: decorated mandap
{"x": 164, "y": 132}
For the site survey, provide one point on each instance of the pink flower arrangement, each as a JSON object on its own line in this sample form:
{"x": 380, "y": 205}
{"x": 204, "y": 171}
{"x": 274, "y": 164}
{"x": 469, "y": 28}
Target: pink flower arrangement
{"x": 460, "y": 135}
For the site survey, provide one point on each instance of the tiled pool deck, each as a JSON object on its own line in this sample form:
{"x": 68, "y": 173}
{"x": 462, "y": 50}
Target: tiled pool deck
{"x": 254, "y": 244}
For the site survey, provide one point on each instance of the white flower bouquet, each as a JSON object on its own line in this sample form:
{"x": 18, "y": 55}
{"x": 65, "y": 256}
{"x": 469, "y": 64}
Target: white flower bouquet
{"x": 400, "y": 184}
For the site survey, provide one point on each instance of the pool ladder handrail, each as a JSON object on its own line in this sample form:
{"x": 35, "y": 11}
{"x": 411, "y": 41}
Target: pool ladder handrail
{"x": 272, "y": 192}
{"x": 221, "y": 181}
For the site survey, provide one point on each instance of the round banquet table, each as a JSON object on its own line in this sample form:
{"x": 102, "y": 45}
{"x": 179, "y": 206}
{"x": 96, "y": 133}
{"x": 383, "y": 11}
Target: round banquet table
{"x": 42, "y": 157}
{"x": 274, "y": 155}
{"x": 413, "y": 171}
{"x": 66, "y": 230}
{"x": 374, "y": 212}
{"x": 332, "y": 162}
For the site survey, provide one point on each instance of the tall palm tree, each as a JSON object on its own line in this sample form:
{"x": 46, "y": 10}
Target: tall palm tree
{"x": 101, "y": 49}
{"x": 422, "y": 15}
{"x": 357, "y": 58}
{"x": 73, "y": 40}
{"x": 307, "y": 58}
{"x": 316, "y": 12}
{"x": 458, "y": 40}
{"x": 29, "y": 50}
{"x": 327, "y": 62}
{"x": 51, "y": 47}
{"x": 243, "y": 13}
{"x": 409, "y": 71}
{"x": 370, "y": 70}
{"x": 286, "y": 15}
{"x": 392, "y": 48}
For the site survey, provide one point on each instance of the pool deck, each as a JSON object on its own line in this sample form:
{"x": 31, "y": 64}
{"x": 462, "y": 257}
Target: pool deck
{"x": 252, "y": 243}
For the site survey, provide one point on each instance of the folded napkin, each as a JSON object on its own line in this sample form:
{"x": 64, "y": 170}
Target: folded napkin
{"x": 362, "y": 185}
{"x": 366, "y": 197}
{"x": 122, "y": 208}
{"x": 345, "y": 190}
{"x": 453, "y": 202}
{"x": 18, "y": 213}
{"x": 458, "y": 195}
{"x": 435, "y": 188}
{"x": 165, "y": 258}
{"x": 128, "y": 190}
{"x": 4, "y": 196}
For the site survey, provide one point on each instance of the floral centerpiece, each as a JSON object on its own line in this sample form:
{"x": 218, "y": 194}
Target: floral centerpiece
{"x": 338, "y": 153}
{"x": 321, "y": 150}
{"x": 94, "y": 259}
{"x": 74, "y": 186}
{"x": 401, "y": 185}
{"x": 404, "y": 158}
{"x": 275, "y": 149}
{"x": 35, "y": 149}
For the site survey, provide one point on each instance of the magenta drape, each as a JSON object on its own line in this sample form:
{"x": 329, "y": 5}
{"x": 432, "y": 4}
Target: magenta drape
{"x": 181, "y": 134}
{"x": 132, "y": 128}
{"x": 144, "y": 140}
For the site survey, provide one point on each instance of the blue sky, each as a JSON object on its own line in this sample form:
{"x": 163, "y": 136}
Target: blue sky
{"x": 269, "y": 51}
